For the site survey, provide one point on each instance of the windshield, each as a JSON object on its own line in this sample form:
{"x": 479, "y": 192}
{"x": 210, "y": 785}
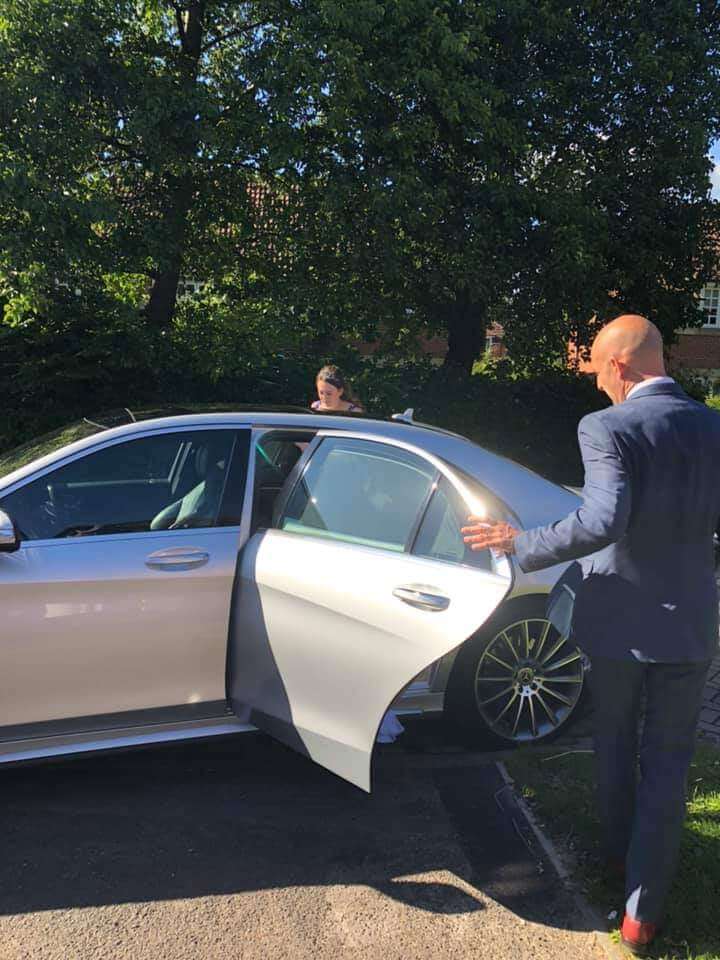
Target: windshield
{"x": 48, "y": 443}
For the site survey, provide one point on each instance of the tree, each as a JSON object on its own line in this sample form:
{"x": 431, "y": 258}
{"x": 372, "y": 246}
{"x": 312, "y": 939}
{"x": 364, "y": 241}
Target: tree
{"x": 423, "y": 165}
{"x": 543, "y": 160}
{"x": 130, "y": 135}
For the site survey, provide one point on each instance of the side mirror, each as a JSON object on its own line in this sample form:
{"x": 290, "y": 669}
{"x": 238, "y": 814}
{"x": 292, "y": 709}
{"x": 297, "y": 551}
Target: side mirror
{"x": 9, "y": 539}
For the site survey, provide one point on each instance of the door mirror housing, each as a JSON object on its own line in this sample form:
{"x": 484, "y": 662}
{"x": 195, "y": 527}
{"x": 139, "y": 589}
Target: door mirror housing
{"x": 9, "y": 539}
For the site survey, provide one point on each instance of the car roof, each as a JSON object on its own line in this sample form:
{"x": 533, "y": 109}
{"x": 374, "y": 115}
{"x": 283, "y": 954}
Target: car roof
{"x": 533, "y": 498}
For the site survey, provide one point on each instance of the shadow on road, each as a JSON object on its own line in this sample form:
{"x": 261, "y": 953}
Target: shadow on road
{"x": 244, "y": 814}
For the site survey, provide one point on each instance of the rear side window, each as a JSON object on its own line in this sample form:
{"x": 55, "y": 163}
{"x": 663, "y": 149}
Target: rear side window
{"x": 360, "y": 492}
{"x": 439, "y": 536}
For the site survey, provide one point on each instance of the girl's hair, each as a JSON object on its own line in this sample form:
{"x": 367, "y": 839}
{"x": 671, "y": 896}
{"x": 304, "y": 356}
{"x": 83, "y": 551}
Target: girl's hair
{"x": 334, "y": 376}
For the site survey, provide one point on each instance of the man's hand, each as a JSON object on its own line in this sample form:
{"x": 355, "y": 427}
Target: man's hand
{"x": 482, "y": 534}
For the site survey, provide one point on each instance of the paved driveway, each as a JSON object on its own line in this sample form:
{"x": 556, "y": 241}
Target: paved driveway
{"x": 240, "y": 849}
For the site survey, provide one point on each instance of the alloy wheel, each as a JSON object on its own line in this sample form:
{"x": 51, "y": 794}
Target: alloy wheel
{"x": 528, "y": 681}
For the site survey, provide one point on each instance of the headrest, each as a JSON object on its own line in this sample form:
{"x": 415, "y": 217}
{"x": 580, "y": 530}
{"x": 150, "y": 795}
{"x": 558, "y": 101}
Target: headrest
{"x": 210, "y": 454}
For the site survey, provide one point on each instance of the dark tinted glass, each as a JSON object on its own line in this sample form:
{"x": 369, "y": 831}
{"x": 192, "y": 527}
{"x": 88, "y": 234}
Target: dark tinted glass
{"x": 439, "y": 536}
{"x": 275, "y": 456}
{"x": 167, "y": 481}
{"x": 361, "y": 492}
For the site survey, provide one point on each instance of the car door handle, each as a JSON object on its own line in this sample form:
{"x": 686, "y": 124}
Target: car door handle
{"x": 422, "y": 597}
{"x": 177, "y": 558}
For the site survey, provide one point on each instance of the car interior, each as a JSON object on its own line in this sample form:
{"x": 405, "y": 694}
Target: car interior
{"x": 199, "y": 505}
{"x": 275, "y": 457}
{"x": 157, "y": 483}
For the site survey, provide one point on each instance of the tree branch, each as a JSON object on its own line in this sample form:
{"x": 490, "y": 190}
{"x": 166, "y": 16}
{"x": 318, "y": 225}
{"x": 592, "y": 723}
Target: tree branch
{"x": 127, "y": 152}
{"x": 194, "y": 29}
{"x": 231, "y": 34}
{"x": 179, "y": 21}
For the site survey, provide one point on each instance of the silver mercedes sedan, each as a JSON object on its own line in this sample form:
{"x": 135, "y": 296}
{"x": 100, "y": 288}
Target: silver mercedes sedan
{"x": 207, "y": 573}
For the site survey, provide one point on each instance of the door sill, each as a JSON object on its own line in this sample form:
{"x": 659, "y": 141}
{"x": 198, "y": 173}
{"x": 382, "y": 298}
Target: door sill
{"x": 18, "y": 751}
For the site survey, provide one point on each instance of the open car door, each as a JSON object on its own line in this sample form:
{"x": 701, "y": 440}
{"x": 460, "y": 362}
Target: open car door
{"x": 361, "y": 583}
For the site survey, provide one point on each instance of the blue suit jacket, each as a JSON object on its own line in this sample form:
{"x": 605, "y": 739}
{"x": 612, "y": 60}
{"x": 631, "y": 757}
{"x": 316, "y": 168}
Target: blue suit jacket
{"x": 651, "y": 502}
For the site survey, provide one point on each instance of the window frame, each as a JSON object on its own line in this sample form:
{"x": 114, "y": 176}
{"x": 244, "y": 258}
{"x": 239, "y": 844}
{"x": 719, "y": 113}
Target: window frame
{"x": 251, "y": 493}
{"x": 453, "y": 563}
{"x": 463, "y": 484}
{"x": 63, "y": 461}
{"x": 707, "y": 324}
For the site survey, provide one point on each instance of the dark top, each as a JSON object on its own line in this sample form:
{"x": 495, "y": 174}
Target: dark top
{"x": 353, "y": 408}
{"x": 651, "y": 502}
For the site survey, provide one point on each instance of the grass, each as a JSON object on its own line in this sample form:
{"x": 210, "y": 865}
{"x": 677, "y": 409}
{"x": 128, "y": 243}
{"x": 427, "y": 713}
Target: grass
{"x": 560, "y": 790}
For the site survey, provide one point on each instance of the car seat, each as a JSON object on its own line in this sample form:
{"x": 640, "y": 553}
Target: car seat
{"x": 199, "y": 506}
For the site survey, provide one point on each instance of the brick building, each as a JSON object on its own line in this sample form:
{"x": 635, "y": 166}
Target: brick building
{"x": 697, "y": 351}
{"x": 436, "y": 347}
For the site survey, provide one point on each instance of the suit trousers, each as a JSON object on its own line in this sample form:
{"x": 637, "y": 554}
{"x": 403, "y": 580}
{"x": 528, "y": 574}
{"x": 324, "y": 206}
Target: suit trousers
{"x": 642, "y": 817}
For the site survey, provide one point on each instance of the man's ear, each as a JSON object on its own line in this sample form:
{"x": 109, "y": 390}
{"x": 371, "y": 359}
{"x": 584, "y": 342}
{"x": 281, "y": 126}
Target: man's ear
{"x": 619, "y": 367}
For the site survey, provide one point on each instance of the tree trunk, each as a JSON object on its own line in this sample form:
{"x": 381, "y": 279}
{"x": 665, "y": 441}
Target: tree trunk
{"x": 466, "y": 337}
{"x": 160, "y": 308}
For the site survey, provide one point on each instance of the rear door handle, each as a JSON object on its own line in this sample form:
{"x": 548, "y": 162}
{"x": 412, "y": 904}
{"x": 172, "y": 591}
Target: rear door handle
{"x": 423, "y": 597}
{"x": 177, "y": 558}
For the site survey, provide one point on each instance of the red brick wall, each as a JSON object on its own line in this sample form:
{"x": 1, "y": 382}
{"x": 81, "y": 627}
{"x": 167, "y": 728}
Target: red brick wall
{"x": 694, "y": 351}
{"x": 697, "y": 351}
{"x": 436, "y": 347}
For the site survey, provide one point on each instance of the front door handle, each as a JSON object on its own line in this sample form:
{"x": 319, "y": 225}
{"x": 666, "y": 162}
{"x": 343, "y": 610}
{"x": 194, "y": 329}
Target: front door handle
{"x": 177, "y": 558}
{"x": 423, "y": 597}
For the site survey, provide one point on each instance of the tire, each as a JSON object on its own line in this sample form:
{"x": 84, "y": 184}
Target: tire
{"x": 505, "y": 690}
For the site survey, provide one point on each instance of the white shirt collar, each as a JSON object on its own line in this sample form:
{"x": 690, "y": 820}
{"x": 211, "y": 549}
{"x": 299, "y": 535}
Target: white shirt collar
{"x": 646, "y": 383}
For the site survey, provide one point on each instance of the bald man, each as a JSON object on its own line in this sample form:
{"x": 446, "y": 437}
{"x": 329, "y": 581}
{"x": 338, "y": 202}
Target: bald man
{"x": 646, "y": 608}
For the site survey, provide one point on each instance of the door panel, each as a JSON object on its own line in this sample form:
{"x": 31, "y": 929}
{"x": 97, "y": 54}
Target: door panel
{"x": 91, "y": 627}
{"x": 320, "y": 645}
{"x": 100, "y": 623}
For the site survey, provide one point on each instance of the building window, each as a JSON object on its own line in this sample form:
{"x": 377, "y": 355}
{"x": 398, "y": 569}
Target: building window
{"x": 190, "y": 288}
{"x": 710, "y": 304}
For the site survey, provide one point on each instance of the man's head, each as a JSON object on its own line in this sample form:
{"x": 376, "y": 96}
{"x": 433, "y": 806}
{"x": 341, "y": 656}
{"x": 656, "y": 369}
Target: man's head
{"x": 627, "y": 350}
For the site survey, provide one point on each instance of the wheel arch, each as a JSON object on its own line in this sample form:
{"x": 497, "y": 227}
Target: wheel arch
{"x": 514, "y": 602}
{"x": 458, "y": 704}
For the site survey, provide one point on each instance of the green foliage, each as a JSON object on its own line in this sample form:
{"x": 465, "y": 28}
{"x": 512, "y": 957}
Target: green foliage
{"x": 560, "y": 788}
{"x": 542, "y": 160}
{"x": 532, "y": 420}
{"x": 339, "y": 172}
{"x": 694, "y": 386}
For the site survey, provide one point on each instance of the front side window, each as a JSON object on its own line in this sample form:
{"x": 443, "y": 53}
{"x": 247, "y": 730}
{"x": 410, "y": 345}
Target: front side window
{"x": 439, "y": 536}
{"x": 166, "y": 481}
{"x": 361, "y": 492}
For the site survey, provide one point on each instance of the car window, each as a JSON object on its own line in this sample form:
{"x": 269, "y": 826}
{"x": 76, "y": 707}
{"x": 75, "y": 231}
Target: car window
{"x": 439, "y": 535}
{"x": 45, "y": 444}
{"x": 166, "y": 481}
{"x": 361, "y": 492}
{"x": 275, "y": 456}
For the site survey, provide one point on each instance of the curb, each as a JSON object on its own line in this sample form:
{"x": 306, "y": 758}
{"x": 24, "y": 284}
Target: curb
{"x": 589, "y": 914}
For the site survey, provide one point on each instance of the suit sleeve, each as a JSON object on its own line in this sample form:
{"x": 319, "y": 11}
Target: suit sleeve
{"x": 600, "y": 520}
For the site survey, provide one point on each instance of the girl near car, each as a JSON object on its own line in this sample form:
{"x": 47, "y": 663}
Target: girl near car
{"x": 334, "y": 393}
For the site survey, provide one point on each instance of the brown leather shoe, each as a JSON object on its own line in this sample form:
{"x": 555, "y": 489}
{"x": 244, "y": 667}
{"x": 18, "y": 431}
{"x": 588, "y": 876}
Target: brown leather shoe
{"x": 637, "y": 935}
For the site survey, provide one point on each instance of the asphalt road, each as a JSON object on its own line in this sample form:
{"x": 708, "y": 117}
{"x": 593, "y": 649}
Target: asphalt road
{"x": 241, "y": 849}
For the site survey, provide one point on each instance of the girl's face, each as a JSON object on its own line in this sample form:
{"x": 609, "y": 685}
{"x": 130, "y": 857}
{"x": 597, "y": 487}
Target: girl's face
{"x": 329, "y": 396}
